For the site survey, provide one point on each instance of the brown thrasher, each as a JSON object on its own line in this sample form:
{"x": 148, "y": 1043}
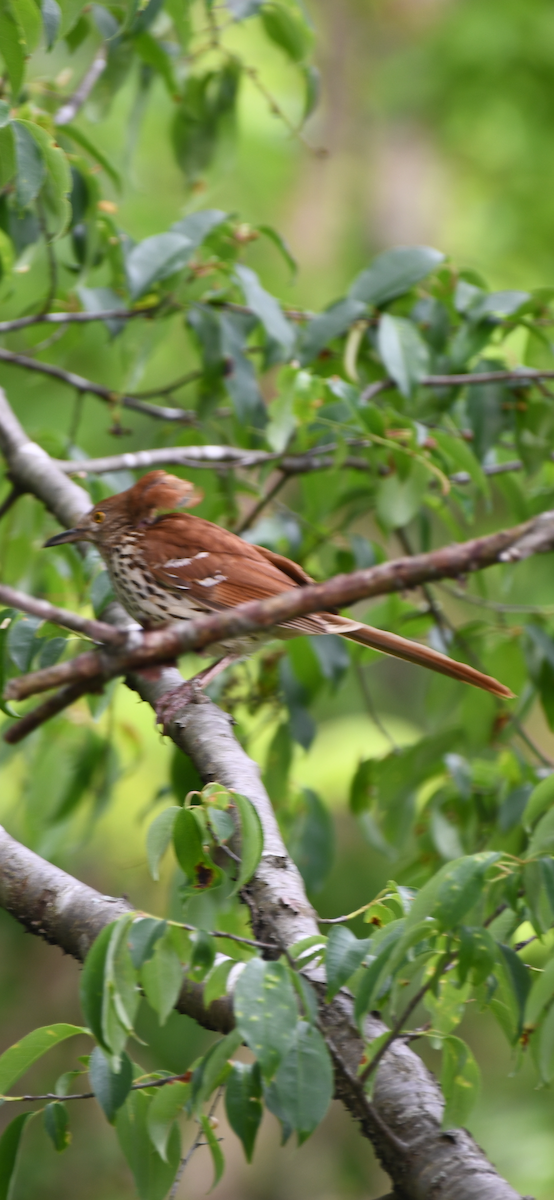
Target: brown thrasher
{"x": 170, "y": 566}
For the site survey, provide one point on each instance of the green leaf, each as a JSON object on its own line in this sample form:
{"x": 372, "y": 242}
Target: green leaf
{"x": 239, "y": 374}
{"x": 51, "y": 19}
{"x": 403, "y": 352}
{"x": 187, "y": 843}
{"x": 393, "y": 273}
{"x": 344, "y": 954}
{"x": 214, "y": 1068}
{"x": 215, "y": 1149}
{"x": 56, "y": 1124}
{"x": 142, "y": 938}
{"x": 101, "y": 591}
{"x": 546, "y": 1047}
{"x": 215, "y": 984}
{"x": 15, "y": 1061}
{"x": 541, "y": 798}
{"x": 30, "y": 166}
{"x": 9, "y": 1146}
{"x": 302, "y": 1089}
{"x": 22, "y": 643}
{"x": 120, "y": 982}
{"x": 153, "y": 1177}
{"x": 542, "y": 839}
{"x": 166, "y": 1105}
{"x": 312, "y": 844}
{"x": 151, "y": 51}
{"x": 477, "y": 954}
{"x": 91, "y": 985}
{"x": 57, "y": 184}
{"x": 110, "y": 1087}
{"x": 398, "y": 500}
{"x": 27, "y": 15}
{"x": 285, "y": 27}
{"x": 266, "y": 1011}
{"x": 266, "y": 308}
{"x": 99, "y": 157}
{"x": 203, "y": 954}
{"x": 252, "y": 839}
{"x": 328, "y": 326}
{"x": 282, "y": 246}
{"x": 243, "y": 1103}
{"x": 518, "y": 977}
{"x": 372, "y": 977}
{"x": 312, "y": 81}
{"x": 540, "y": 994}
{"x": 453, "y": 890}
{"x": 460, "y": 1081}
{"x": 162, "y": 976}
{"x": 12, "y": 49}
{"x": 198, "y": 226}
{"x": 154, "y": 259}
{"x": 159, "y": 837}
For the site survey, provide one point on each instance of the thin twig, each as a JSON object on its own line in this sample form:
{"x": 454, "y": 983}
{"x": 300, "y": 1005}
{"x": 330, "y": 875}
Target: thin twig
{"x": 44, "y": 712}
{"x": 135, "y": 1087}
{"x": 98, "y": 631}
{"x": 370, "y": 707}
{"x": 196, "y": 1143}
{"x": 398, "y": 1025}
{"x": 70, "y": 108}
{"x": 96, "y": 389}
{"x": 539, "y": 610}
{"x": 76, "y": 318}
{"x": 9, "y": 501}
{"x": 251, "y": 516}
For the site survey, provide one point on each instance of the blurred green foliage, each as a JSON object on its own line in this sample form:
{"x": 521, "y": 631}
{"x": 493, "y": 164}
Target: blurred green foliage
{"x": 171, "y": 190}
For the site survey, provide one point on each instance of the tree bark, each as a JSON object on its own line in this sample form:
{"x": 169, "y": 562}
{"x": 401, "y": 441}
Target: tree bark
{"x": 403, "y": 1121}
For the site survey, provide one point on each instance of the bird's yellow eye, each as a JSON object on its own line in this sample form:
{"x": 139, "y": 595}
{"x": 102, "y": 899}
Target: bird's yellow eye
{"x": 99, "y": 517}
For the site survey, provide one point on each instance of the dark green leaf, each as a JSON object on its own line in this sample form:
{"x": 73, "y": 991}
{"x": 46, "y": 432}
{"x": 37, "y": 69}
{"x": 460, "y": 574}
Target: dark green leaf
{"x": 266, "y": 1011}
{"x": 312, "y": 844}
{"x": 12, "y": 48}
{"x": 214, "y": 1068}
{"x": 540, "y": 994}
{"x": 282, "y": 246}
{"x": 166, "y": 1105}
{"x": 541, "y": 798}
{"x": 56, "y": 1124}
{"x": 154, "y": 259}
{"x": 198, "y": 226}
{"x": 22, "y": 641}
{"x": 266, "y": 308}
{"x": 110, "y": 1087}
{"x": 215, "y": 1149}
{"x": 161, "y": 977}
{"x": 153, "y": 1177}
{"x": 252, "y": 839}
{"x": 518, "y": 977}
{"x": 329, "y": 325}
{"x": 344, "y": 954}
{"x": 393, "y": 273}
{"x": 18, "y": 1058}
{"x": 286, "y": 29}
{"x": 403, "y": 352}
{"x": 159, "y": 837}
{"x": 142, "y": 937}
{"x": 453, "y": 890}
{"x": 477, "y": 954}
{"x": 243, "y": 1103}
{"x": 372, "y": 976}
{"x": 91, "y": 984}
{"x": 51, "y": 18}
{"x": 10, "y": 1141}
{"x": 302, "y": 1089}
{"x": 460, "y": 1081}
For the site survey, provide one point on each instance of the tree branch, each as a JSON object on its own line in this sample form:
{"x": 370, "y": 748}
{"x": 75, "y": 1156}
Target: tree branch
{"x": 76, "y": 318}
{"x": 397, "y": 575}
{"x": 98, "y": 631}
{"x": 70, "y": 108}
{"x": 161, "y": 412}
{"x": 403, "y": 1121}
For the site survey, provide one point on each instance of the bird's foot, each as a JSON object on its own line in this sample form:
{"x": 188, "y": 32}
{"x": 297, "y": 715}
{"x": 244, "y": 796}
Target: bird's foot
{"x": 172, "y": 703}
{"x": 190, "y": 692}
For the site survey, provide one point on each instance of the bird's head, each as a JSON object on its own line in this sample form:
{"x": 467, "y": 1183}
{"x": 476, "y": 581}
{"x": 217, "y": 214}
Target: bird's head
{"x": 156, "y": 493}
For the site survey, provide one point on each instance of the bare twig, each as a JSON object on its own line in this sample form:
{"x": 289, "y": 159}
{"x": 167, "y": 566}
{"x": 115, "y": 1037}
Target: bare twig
{"x": 99, "y": 631}
{"x": 44, "y": 712}
{"x": 76, "y": 318}
{"x": 195, "y": 1145}
{"x": 111, "y": 397}
{"x": 70, "y": 108}
{"x": 266, "y": 498}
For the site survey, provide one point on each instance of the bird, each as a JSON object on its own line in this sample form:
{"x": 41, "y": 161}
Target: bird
{"x": 167, "y": 565}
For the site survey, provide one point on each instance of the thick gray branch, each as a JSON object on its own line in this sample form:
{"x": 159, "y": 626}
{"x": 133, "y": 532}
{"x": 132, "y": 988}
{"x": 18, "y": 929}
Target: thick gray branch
{"x": 404, "y": 1120}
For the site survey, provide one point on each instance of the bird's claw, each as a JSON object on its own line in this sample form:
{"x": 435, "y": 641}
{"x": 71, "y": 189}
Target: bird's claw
{"x": 172, "y": 703}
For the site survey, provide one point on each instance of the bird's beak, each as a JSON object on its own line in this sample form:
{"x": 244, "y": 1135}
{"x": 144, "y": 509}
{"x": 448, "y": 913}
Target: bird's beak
{"x": 68, "y": 535}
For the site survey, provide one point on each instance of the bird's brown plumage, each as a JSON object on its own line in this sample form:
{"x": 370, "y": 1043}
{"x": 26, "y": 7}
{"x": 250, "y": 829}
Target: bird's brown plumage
{"x": 172, "y": 566}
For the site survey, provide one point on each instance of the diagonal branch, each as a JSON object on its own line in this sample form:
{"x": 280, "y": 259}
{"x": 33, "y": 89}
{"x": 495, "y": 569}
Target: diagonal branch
{"x": 397, "y": 575}
{"x": 84, "y": 386}
{"x": 403, "y": 1121}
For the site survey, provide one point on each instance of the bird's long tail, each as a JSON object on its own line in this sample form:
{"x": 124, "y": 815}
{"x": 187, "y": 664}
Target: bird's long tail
{"x": 399, "y": 647}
